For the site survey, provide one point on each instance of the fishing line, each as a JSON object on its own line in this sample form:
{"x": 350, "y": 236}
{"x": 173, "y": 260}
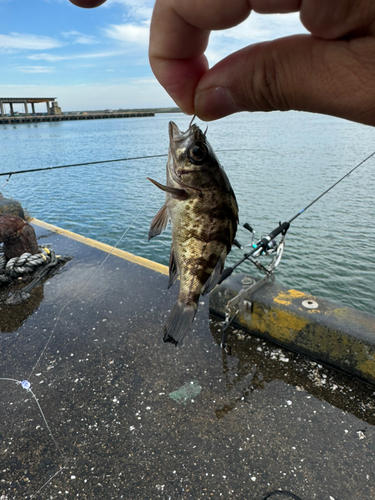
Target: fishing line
{"x": 46, "y": 483}
{"x": 93, "y": 275}
{"x": 329, "y": 189}
{"x": 283, "y": 228}
{"x": 25, "y": 383}
{"x": 6, "y": 182}
{"x": 250, "y": 149}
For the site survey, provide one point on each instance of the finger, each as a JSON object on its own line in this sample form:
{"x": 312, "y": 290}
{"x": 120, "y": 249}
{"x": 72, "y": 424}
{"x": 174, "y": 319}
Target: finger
{"x": 179, "y": 36}
{"x": 177, "y": 65}
{"x": 206, "y": 14}
{"x": 299, "y": 72}
{"x": 275, "y": 6}
{"x": 179, "y": 78}
{"x": 87, "y": 4}
{"x": 337, "y": 18}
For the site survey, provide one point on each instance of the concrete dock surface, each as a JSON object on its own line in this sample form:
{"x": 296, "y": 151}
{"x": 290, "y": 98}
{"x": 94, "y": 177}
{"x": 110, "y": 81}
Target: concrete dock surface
{"x": 127, "y": 416}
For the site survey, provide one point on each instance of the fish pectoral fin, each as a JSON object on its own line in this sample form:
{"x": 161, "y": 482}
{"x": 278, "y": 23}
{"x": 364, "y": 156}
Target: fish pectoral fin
{"x": 215, "y": 276}
{"x": 159, "y": 223}
{"x": 178, "y": 194}
{"x": 174, "y": 271}
{"x": 179, "y": 322}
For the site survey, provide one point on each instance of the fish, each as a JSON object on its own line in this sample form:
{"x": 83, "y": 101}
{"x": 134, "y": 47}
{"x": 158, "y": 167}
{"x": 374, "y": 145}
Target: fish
{"x": 203, "y": 211}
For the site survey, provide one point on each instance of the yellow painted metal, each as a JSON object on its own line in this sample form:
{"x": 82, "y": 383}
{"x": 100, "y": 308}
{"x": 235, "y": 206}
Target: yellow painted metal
{"x": 329, "y": 333}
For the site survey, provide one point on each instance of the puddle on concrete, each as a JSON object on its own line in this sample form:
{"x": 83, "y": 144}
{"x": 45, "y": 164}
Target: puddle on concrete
{"x": 254, "y": 362}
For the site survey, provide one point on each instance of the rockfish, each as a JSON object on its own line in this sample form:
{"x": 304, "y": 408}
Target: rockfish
{"x": 202, "y": 208}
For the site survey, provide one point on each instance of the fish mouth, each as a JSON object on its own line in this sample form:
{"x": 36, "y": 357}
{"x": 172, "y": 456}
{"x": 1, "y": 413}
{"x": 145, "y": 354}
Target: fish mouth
{"x": 185, "y": 171}
{"x": 193, "y": 133}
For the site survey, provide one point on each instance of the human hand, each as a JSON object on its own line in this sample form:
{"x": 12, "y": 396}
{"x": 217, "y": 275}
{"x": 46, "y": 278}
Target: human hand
{"x": 87, "y": 4}
{"x": 330, "y": 71}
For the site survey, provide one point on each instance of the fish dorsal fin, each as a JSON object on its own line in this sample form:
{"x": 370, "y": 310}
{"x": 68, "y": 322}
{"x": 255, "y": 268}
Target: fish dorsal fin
{"x": 174, "y": 272}
{"x": 159, "y": 223}
{"x": 179, "y": 194}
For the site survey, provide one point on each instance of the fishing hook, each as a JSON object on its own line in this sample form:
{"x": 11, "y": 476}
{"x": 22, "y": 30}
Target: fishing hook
{"x": 191, "y": 122}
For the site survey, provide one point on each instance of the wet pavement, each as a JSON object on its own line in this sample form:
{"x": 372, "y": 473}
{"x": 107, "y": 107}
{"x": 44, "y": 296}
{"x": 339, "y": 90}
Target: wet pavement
{"x": 128, "y": 416}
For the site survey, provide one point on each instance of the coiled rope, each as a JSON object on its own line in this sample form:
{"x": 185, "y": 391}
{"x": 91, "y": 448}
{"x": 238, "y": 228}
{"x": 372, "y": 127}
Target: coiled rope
{"x": 38, "y": 264}
{"x": 25, "y": 264}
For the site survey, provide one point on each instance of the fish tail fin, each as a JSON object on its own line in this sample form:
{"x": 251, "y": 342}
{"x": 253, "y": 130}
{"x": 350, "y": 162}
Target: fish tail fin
{"x": 179, "y": 322}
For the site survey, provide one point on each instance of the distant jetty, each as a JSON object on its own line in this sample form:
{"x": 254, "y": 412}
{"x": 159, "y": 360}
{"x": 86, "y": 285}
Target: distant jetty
{"x": 53, "y": 113}
{"x": 16, "y": 119}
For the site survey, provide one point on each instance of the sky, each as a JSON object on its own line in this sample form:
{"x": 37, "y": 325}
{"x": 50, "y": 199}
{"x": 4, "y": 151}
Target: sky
{"x": 95, "y": 59}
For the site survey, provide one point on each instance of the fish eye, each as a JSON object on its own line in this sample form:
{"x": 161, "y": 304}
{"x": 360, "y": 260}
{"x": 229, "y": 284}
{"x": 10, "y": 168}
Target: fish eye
{"x": 197, "y": 153}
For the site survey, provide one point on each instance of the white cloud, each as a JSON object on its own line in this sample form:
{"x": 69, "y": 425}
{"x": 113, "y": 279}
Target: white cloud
{"x": 53, "y": 57}
{"x": 128, "y": 33}
{"x": 150, "y": 80}
{"x": 36, "y": 69}
{"x": 22, "y": 41}
{"x": 140, "y": 10}
{"x": 80, "y": 37}
{"x": 47, "y": 57}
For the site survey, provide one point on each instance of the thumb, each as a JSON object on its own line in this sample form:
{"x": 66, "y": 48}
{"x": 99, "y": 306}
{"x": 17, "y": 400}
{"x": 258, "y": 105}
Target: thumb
{"x": 301, "y": 72}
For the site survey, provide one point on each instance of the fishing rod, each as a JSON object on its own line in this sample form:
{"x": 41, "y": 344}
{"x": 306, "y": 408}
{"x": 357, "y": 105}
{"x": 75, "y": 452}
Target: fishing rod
{"x": 41, "y": 169}
{"x": 267, "y": 244}
{"x": 333, "y": 185}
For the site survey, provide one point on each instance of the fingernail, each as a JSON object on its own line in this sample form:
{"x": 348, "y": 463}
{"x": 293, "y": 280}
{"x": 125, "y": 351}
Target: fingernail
{"x": 214, "y": 103}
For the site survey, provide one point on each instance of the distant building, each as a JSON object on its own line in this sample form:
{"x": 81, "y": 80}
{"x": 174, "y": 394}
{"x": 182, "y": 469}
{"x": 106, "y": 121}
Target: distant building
{"x": 54, "y": 109}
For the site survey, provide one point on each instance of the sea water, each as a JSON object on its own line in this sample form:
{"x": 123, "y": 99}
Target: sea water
{"x": 277, "y": 164}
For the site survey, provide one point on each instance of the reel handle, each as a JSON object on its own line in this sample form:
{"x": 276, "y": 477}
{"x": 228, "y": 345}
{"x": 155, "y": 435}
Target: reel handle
{"x": 262, "y": 244}
{"x": 237, "y": 244}
{"x": 248, "y": 227}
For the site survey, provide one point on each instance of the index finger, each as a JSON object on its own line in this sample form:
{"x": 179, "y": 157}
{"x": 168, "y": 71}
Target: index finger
{"x": 179, "y": 35}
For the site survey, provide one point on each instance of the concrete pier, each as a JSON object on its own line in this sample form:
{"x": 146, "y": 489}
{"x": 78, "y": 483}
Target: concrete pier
{"x": 54, "y": 113}
{"x": 15, "y": 120}
{"x": 25, "y": 101}
{"x": 329, "y": 333}
{"x": 130, "y": 417}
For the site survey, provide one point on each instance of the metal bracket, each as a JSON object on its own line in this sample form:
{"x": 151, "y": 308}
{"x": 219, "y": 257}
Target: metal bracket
{"x": 241, "y": 302}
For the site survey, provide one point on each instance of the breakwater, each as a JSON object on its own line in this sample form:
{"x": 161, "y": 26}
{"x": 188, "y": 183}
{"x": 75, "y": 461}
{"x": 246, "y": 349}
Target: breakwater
{"x": 79, "y": 116}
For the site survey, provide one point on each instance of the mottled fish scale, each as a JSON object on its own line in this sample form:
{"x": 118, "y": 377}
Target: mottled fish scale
{"x": 201, "y": 238}
{"x": 202, "y": 208}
